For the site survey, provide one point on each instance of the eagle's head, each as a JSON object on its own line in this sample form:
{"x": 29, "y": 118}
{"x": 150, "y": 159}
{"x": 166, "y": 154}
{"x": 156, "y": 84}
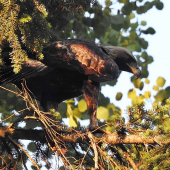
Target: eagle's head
{"x": 123, "y": 58}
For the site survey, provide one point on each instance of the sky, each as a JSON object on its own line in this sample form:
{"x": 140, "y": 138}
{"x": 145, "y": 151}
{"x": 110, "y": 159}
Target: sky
{"x": 158, "y": 49}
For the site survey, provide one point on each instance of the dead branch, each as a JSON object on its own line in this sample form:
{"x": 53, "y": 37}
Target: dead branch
{"x": 58, "y": 137}
{"x": 92, "y": 140}
{"x": 72, "y": 137}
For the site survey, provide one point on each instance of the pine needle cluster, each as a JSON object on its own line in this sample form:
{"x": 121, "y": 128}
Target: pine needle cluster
{"x": 31, "y": 24}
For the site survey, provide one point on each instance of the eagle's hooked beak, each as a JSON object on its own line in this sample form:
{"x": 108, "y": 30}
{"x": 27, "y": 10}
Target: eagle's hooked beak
{"x": 135, "y": 70}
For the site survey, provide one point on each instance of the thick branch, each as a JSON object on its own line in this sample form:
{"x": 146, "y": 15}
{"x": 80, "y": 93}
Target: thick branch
{"x": 72, "y": 137}
{"x": 128, "y": 139}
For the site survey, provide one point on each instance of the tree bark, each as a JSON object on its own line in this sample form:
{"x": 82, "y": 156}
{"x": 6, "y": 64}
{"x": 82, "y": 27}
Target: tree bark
{"x": 72, "y": 137}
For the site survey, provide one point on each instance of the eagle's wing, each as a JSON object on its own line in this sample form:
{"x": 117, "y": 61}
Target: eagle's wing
{"x": 30, "y": 68}
{"x": 85, "y": 57}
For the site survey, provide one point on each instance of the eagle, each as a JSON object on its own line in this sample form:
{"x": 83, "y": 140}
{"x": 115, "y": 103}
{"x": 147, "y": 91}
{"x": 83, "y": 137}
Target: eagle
{"x": 69, "y": 69}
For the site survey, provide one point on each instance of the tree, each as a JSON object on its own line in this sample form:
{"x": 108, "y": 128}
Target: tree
{"x": 141, "y": 142}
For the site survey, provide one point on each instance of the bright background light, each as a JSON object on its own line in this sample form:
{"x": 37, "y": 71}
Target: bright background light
{"x": 158, "y": 48}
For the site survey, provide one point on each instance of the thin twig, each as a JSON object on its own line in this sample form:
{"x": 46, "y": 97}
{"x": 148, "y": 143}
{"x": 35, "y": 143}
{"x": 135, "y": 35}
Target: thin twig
{"x": 84, "y": 157}
{"x": 130, "y": 160}
{"x": 94, "y": 148}
{"x": 33, "y": 162}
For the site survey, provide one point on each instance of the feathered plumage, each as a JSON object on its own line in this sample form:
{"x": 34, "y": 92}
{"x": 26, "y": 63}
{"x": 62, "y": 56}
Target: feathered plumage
{"x": 69, "y": 69}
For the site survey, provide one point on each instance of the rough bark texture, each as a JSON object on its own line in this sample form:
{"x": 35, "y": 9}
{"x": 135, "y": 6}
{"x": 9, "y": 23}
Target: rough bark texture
{"x": 72, "y": 137}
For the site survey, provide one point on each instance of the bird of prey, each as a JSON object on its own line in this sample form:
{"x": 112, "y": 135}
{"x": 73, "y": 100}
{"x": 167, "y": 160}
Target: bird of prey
{"x": 69, "y": 69}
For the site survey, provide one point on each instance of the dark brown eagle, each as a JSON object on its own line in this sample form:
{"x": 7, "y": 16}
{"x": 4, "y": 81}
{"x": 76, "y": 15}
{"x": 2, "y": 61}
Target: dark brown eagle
{"x": 69, "y": 69}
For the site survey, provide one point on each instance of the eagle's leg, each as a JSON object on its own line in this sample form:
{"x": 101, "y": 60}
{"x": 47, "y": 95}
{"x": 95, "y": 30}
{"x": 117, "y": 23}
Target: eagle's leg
{"x": 91, "y": 92}
{"x": 48, "y": 100}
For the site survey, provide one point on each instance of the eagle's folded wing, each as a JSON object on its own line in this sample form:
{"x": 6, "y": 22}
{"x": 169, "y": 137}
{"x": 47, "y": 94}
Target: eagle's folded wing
{"x": 83, "y": 56}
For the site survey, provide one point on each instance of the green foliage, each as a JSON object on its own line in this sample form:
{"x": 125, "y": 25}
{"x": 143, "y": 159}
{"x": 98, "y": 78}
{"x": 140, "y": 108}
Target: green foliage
{"x": 147, "y": 81}
{"x": 82, "y": 106}
{"x": 9, "y": 23}
{"x": 149, "y": 31}
{"x": 162, "y": 93}
{"x": 152, "y": 123}
{"x": 30, "y": 24}
{"x": 31, "y": 147}
{"x": 123, "y": 1}
{"x": 156, "y": 88}
{"x": 160, "y": 81}
{"x": 102, "y": 112}
{"x": 137, "y": 99}
{"x": 137, "y": 83}
{"x": 73, "y": 114}
{"x": 119, "y": 96}
{"x": 10, "y": 102}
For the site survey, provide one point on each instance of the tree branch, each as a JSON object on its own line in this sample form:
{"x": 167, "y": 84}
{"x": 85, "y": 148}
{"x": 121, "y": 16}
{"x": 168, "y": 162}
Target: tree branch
{"x": 72, "y": 137}
{"x": 130, "y": 160}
